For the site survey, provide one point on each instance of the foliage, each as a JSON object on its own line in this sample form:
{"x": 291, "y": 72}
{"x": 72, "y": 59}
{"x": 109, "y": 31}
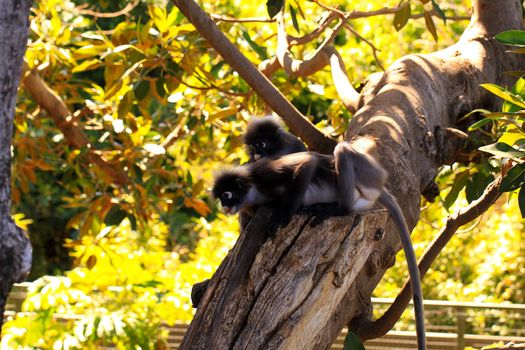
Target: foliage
{"x": 120, "y": 293}
{"x": 156, "y": 102}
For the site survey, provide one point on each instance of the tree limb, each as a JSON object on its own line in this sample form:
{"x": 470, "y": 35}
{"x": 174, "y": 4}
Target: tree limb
{"x": 299, "y": 124}
{"x": 367, "y": 329}
{"x": 73, "y": 133}
{"x": 325, "y": 54}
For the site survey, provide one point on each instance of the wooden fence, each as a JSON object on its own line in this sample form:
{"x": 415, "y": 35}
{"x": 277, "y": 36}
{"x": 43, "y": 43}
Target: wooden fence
{"x": 450, "y": 325}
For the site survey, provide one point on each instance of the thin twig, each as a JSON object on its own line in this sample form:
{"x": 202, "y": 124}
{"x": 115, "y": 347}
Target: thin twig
{"x": 220, "y": 18}
{"x": 369, "y": 43}
{"x": 122, "y": 12}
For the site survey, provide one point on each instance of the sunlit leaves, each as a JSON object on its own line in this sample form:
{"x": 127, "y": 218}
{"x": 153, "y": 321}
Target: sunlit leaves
{"x": 273, "y": 7}
{"x": 512, "y": 37}
{"x": 261, "y": 51}
{"x": 439, "y": 11}
{"x": 402, "y": 16}
{"x": 294, "y": 19}
{"x": 505, "y": 94}
{"x": 431, "y": 26}
{"x": 514, "y": 179}
{"x": 502, "y": 150}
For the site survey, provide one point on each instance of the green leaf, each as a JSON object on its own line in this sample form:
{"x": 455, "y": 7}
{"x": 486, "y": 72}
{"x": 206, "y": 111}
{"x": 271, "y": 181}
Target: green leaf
{"x": 514, "y": 179}
{"x": 502, "y": 150}
{"x": 504, "y": 94}
{"x": 512, "y": 37}
{"x": 401, "y": 17}
{"x": 261, "y": 51}
{"x": 439, "y": 11}
{"x": 352, "y": 342}
{"x": 125, "y": 105}
{"x": 115, "y": 216}
{"x": 460, "y": 181}
{"x": 294, "y": 18}
{"x": 141, "y": 89}
{"x": 480, "y": 123}
{"x": 521, "y": 201}
{"x": 477, "y": 185}
{"x": 273, "y": 7}
{"x": 429, "y": 21}
{"x": 519, "y": 89}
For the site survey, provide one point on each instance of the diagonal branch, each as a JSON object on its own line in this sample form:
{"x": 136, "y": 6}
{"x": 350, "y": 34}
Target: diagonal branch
{"x": 73, "y": 133}
{"x": 299, "y": 124}
{"x": 367, "y": 329}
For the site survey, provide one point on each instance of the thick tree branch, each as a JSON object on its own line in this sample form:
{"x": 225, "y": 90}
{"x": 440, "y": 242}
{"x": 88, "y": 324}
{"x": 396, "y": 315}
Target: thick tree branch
{"x": 367, "y": 329}
{"x": 402, "y": 121}
{"x": 299, "y": 125}
{"x": 73, "y": 133}
{"x": 324, "y": 55}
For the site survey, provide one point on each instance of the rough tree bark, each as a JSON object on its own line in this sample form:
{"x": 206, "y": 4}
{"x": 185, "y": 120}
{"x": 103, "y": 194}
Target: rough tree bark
{"x": 15, "y": 248}
{"x": 304, "y": 285}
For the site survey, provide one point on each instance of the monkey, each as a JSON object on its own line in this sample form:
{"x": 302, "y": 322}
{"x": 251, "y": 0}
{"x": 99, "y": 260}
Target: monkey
{"x": 361, "y": 183}
{"x": 266, "y": 137}
{"x": 353, "y": 180}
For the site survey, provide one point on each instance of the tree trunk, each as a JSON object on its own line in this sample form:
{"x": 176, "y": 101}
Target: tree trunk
{"x": 302, "y": 287}
{"x": 15, "y": 248}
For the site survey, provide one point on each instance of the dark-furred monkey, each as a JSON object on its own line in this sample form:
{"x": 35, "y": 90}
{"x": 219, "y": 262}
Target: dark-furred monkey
{"x": 353, "y": 180}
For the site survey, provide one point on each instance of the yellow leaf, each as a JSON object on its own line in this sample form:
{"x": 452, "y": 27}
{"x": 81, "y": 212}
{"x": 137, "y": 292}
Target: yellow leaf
{"x": 89, "y": 51}
{"x": 87, "y": 65}
{"x": 511, "y": 135}
{"x": 158, "y": 15}
{"x": 223, "y": 114}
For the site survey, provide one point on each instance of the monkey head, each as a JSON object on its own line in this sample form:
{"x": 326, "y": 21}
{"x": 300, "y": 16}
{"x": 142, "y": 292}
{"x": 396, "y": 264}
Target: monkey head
{"x": 264, "y": 137}
{"x": 231, "y": 187}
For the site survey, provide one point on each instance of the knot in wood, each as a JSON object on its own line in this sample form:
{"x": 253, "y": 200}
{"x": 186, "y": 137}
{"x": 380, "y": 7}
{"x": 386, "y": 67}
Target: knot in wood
{"x": 378, "y": 234}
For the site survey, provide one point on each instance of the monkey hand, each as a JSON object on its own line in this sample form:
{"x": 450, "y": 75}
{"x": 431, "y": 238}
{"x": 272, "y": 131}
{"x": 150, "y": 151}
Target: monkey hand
{"x": 278, "y": 219}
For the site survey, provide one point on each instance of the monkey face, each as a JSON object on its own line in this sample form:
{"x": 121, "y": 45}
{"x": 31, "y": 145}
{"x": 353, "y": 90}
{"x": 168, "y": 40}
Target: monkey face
{"x": 260, "y": 149}
{"x": 231, "y": 188}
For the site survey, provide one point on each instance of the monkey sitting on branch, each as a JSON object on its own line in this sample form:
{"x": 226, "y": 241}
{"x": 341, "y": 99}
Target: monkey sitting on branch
{"x": 266, "y": 137}
{"x": 353, "y": 180}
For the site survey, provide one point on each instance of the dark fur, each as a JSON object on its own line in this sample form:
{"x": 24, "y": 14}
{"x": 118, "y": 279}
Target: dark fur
{"x": 282, "y": 181}
{"x": 266, "y": 137}
{"x": 356, "y": 170}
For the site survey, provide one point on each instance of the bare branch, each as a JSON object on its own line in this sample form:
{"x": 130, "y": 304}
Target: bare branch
{"x": 220, "y": 18}
{"x": 367, "y": 329}
{"x": 349, "y": 96}
{"x": 327, "y": 18}
{"x": 369, "y": 43}
{"x": 122, "y": 12}
{"x": 299, "y": 124}
{"x": 46, "y": 98}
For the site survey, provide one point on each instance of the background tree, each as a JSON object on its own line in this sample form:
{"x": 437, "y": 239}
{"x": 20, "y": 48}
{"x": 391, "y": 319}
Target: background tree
{"x": 15, "y": 249}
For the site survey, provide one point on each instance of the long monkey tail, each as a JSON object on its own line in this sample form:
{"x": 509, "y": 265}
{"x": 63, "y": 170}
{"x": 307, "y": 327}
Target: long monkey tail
{"x": 389, "y": 201}
{"x": 344, "y": 167}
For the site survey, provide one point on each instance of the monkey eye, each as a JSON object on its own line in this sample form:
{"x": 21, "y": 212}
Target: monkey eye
{"x": 227, "y": 195}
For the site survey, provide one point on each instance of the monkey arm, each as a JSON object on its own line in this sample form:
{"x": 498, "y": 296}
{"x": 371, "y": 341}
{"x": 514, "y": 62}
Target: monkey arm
{"x": 291, "y": 200}
{"x": 344, "y": 168}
